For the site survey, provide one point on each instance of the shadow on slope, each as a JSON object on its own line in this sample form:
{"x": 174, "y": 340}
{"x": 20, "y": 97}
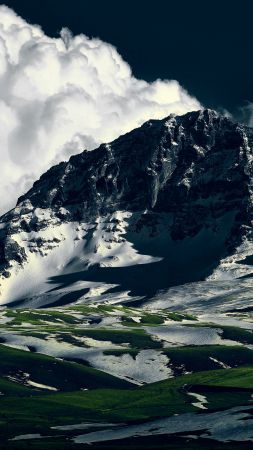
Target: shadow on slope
{"x": 182, "y": 261}
{"x": 187, "y": 260}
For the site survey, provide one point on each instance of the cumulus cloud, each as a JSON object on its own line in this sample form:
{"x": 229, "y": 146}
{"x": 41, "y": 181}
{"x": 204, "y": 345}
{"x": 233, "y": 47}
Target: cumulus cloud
{"x": 61, "y": 95}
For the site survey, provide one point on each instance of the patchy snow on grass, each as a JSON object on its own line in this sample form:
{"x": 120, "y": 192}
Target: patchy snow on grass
{"x": 183, "y": 335}
{"x": 24, "y": 378}
{"x": 148, "y": 366}
{"x": 223, "y": 426}
{"x": 38, "y": 385}
{"x": 220, "y": 363}
{"x": 94, "y": 343}
{"x": 41, "y": 386}
{"x": 202, "y": 401}
{"x": 85, "y": 426}
{"x": 23, "y": 437}
{"x": 14, "y": 344}
{"x": 3, "y": 318}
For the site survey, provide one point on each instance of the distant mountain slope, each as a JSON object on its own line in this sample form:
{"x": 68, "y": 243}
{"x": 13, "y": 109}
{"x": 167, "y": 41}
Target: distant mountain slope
{"x": 159, "y": 206}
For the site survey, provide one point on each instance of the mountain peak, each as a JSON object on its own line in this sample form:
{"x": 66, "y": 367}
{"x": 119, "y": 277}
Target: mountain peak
{"x": 172, "y": 190}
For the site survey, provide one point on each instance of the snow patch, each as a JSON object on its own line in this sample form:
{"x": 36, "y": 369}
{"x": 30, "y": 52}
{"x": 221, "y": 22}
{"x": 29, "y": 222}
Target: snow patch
{"x": 148, "y": 366}
{"x": 202, "y": 401}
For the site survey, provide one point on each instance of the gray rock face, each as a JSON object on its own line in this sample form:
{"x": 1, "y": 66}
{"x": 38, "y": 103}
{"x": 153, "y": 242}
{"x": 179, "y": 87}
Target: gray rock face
{"x": 195, "y": 169}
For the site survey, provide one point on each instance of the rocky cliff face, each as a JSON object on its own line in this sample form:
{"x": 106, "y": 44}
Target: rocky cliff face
{"x": 159, "y": 206}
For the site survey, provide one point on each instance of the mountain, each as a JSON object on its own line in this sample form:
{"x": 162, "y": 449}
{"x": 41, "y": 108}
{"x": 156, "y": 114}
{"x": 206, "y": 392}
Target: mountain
{"x": 166, "y": 204}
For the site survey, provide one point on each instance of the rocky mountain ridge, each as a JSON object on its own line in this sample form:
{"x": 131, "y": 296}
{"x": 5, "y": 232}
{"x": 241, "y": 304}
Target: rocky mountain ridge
{"x": 159, "y": 193}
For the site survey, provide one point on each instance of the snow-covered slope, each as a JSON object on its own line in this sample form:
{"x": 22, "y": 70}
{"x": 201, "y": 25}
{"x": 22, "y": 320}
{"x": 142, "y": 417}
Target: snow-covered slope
{"x": 64, "y": 248}
{"x": 166, "y": 204}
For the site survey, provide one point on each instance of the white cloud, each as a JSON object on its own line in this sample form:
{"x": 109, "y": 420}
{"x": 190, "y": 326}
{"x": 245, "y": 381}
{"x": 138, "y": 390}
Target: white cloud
{"x": 58, "y": 96}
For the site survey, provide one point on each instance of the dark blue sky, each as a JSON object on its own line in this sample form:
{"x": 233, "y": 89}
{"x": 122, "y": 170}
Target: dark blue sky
{"x": 205, "y": 45}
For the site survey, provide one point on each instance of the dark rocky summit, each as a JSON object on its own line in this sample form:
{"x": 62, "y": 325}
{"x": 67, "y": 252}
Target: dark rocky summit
{"x": 166, "y": 165}
{"x": 196, "y": 170}
{"x": 196, "y": 166}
